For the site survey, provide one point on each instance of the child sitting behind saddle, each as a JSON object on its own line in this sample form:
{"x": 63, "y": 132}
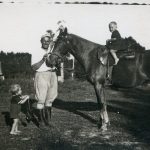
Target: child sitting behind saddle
{"x": 114, "y": 43}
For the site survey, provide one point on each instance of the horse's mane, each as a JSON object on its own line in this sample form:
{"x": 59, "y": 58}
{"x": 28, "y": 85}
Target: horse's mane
{"x": 134, "y": 45}
{"x": 128, "y": 42}
{"x": 85, "y": 40}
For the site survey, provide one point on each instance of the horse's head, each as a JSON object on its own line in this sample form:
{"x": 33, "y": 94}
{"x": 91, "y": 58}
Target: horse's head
{"x": 60, "y": 50}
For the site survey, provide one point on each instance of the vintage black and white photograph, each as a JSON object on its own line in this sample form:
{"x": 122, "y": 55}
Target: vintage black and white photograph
{"x": 75, "y": 75}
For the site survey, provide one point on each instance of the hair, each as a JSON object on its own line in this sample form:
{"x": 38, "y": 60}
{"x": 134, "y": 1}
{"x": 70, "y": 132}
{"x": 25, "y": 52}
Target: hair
{"x": 113, "y": 22}
{"x": 14, "y": 88}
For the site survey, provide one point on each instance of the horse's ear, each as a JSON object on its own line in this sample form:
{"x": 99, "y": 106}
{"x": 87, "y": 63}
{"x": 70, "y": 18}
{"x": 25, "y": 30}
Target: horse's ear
{"x": 65, "y": 31}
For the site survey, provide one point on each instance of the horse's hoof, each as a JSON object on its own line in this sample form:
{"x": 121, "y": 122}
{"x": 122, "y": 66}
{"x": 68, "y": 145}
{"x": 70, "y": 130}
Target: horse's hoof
{"x": 108, "y": 123}
{"x": 104, "y": 127}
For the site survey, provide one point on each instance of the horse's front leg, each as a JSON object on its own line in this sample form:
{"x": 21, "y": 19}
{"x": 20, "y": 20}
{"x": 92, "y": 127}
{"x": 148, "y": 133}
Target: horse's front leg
{"x": 100, "y": 94}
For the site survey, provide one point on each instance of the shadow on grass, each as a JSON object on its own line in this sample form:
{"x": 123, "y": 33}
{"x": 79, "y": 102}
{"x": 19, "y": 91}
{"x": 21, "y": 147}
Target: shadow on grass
{"x": 47, "y": 143}
{"x": 65, "y": 145}
{"x": 77, "y": 107}
{"x": 8, "y": 120}
{"x": 137, "y": 110}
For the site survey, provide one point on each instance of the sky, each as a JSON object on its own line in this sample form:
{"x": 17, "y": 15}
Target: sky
{"x": 23, "y": 24}
{"x": 62, "y": 1}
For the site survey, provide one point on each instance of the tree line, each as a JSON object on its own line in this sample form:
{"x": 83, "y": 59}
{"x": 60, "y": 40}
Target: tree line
{"x": 18, "y": 65}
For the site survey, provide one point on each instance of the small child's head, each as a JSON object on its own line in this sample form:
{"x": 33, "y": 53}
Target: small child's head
{"x": 112, "y": 26}
{"x": 15, "y": 89}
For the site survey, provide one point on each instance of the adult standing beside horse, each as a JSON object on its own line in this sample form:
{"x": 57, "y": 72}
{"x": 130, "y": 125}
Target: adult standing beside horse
{"x": 45, "y": 80}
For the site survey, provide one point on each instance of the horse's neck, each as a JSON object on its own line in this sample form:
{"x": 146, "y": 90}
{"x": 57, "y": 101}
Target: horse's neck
{"x": 79, "y": 50}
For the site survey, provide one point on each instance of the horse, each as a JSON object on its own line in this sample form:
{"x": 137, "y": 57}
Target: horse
{"x": 86, "y": 52}
{"x": 89, "y": 55}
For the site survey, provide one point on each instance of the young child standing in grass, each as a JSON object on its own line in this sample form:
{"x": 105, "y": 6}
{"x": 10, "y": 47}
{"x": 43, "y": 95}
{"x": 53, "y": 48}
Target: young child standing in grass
{"x": 15, "y": 106}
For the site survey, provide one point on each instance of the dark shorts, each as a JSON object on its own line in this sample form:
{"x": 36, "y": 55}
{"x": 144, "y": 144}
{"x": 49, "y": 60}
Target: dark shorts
{"x": 118, "y": 45}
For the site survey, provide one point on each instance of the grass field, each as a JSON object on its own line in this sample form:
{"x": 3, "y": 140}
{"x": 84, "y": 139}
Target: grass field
{"x": 74, "y": 120}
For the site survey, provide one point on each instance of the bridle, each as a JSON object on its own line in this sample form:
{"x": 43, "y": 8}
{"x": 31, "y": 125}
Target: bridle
{"x": 67, "y": 42}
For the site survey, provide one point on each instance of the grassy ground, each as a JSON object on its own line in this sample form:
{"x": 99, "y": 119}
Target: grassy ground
{"x": 74, "y": 120}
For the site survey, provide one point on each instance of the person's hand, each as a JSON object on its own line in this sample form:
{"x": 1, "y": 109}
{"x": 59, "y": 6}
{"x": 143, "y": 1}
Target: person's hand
{"x": 24, "y": 98}
{"x": 44, "y": 57}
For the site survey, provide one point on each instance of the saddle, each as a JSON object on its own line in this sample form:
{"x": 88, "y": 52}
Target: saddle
{"x": 124, "y": 54}
{"x": 107, "y": 59}
{"x": 127, "y": 50}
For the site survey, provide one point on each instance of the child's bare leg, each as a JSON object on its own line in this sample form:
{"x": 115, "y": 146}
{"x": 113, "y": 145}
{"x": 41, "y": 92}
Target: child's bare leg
{"x": 113, "y": 53}
{"x": 14, "y": 126}
{"x": 16, "y": 129}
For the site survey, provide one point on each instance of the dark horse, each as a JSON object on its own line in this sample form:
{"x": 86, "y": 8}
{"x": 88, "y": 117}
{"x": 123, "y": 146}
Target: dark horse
{"x": 86, "y": 53}
{"x": 89, "y": 55}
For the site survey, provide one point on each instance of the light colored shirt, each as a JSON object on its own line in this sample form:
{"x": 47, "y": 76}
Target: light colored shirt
{"x": 37, "y": 57}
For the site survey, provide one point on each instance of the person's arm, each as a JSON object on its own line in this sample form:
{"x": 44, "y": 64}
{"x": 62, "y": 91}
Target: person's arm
{"x": 23, "y": 99}
{"x": 39, "y": 64}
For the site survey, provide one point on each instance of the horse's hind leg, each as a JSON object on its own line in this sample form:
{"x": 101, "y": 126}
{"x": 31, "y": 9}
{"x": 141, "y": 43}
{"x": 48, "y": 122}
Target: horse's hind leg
{"x": 99, "y": 89}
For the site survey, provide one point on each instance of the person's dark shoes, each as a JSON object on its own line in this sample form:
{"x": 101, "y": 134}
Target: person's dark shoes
{"x": 47, "y": 115}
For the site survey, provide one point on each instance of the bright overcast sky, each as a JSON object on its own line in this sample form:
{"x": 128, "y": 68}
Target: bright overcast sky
{"x": 23, "y": 24}
{"x": 62, "y": 1}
